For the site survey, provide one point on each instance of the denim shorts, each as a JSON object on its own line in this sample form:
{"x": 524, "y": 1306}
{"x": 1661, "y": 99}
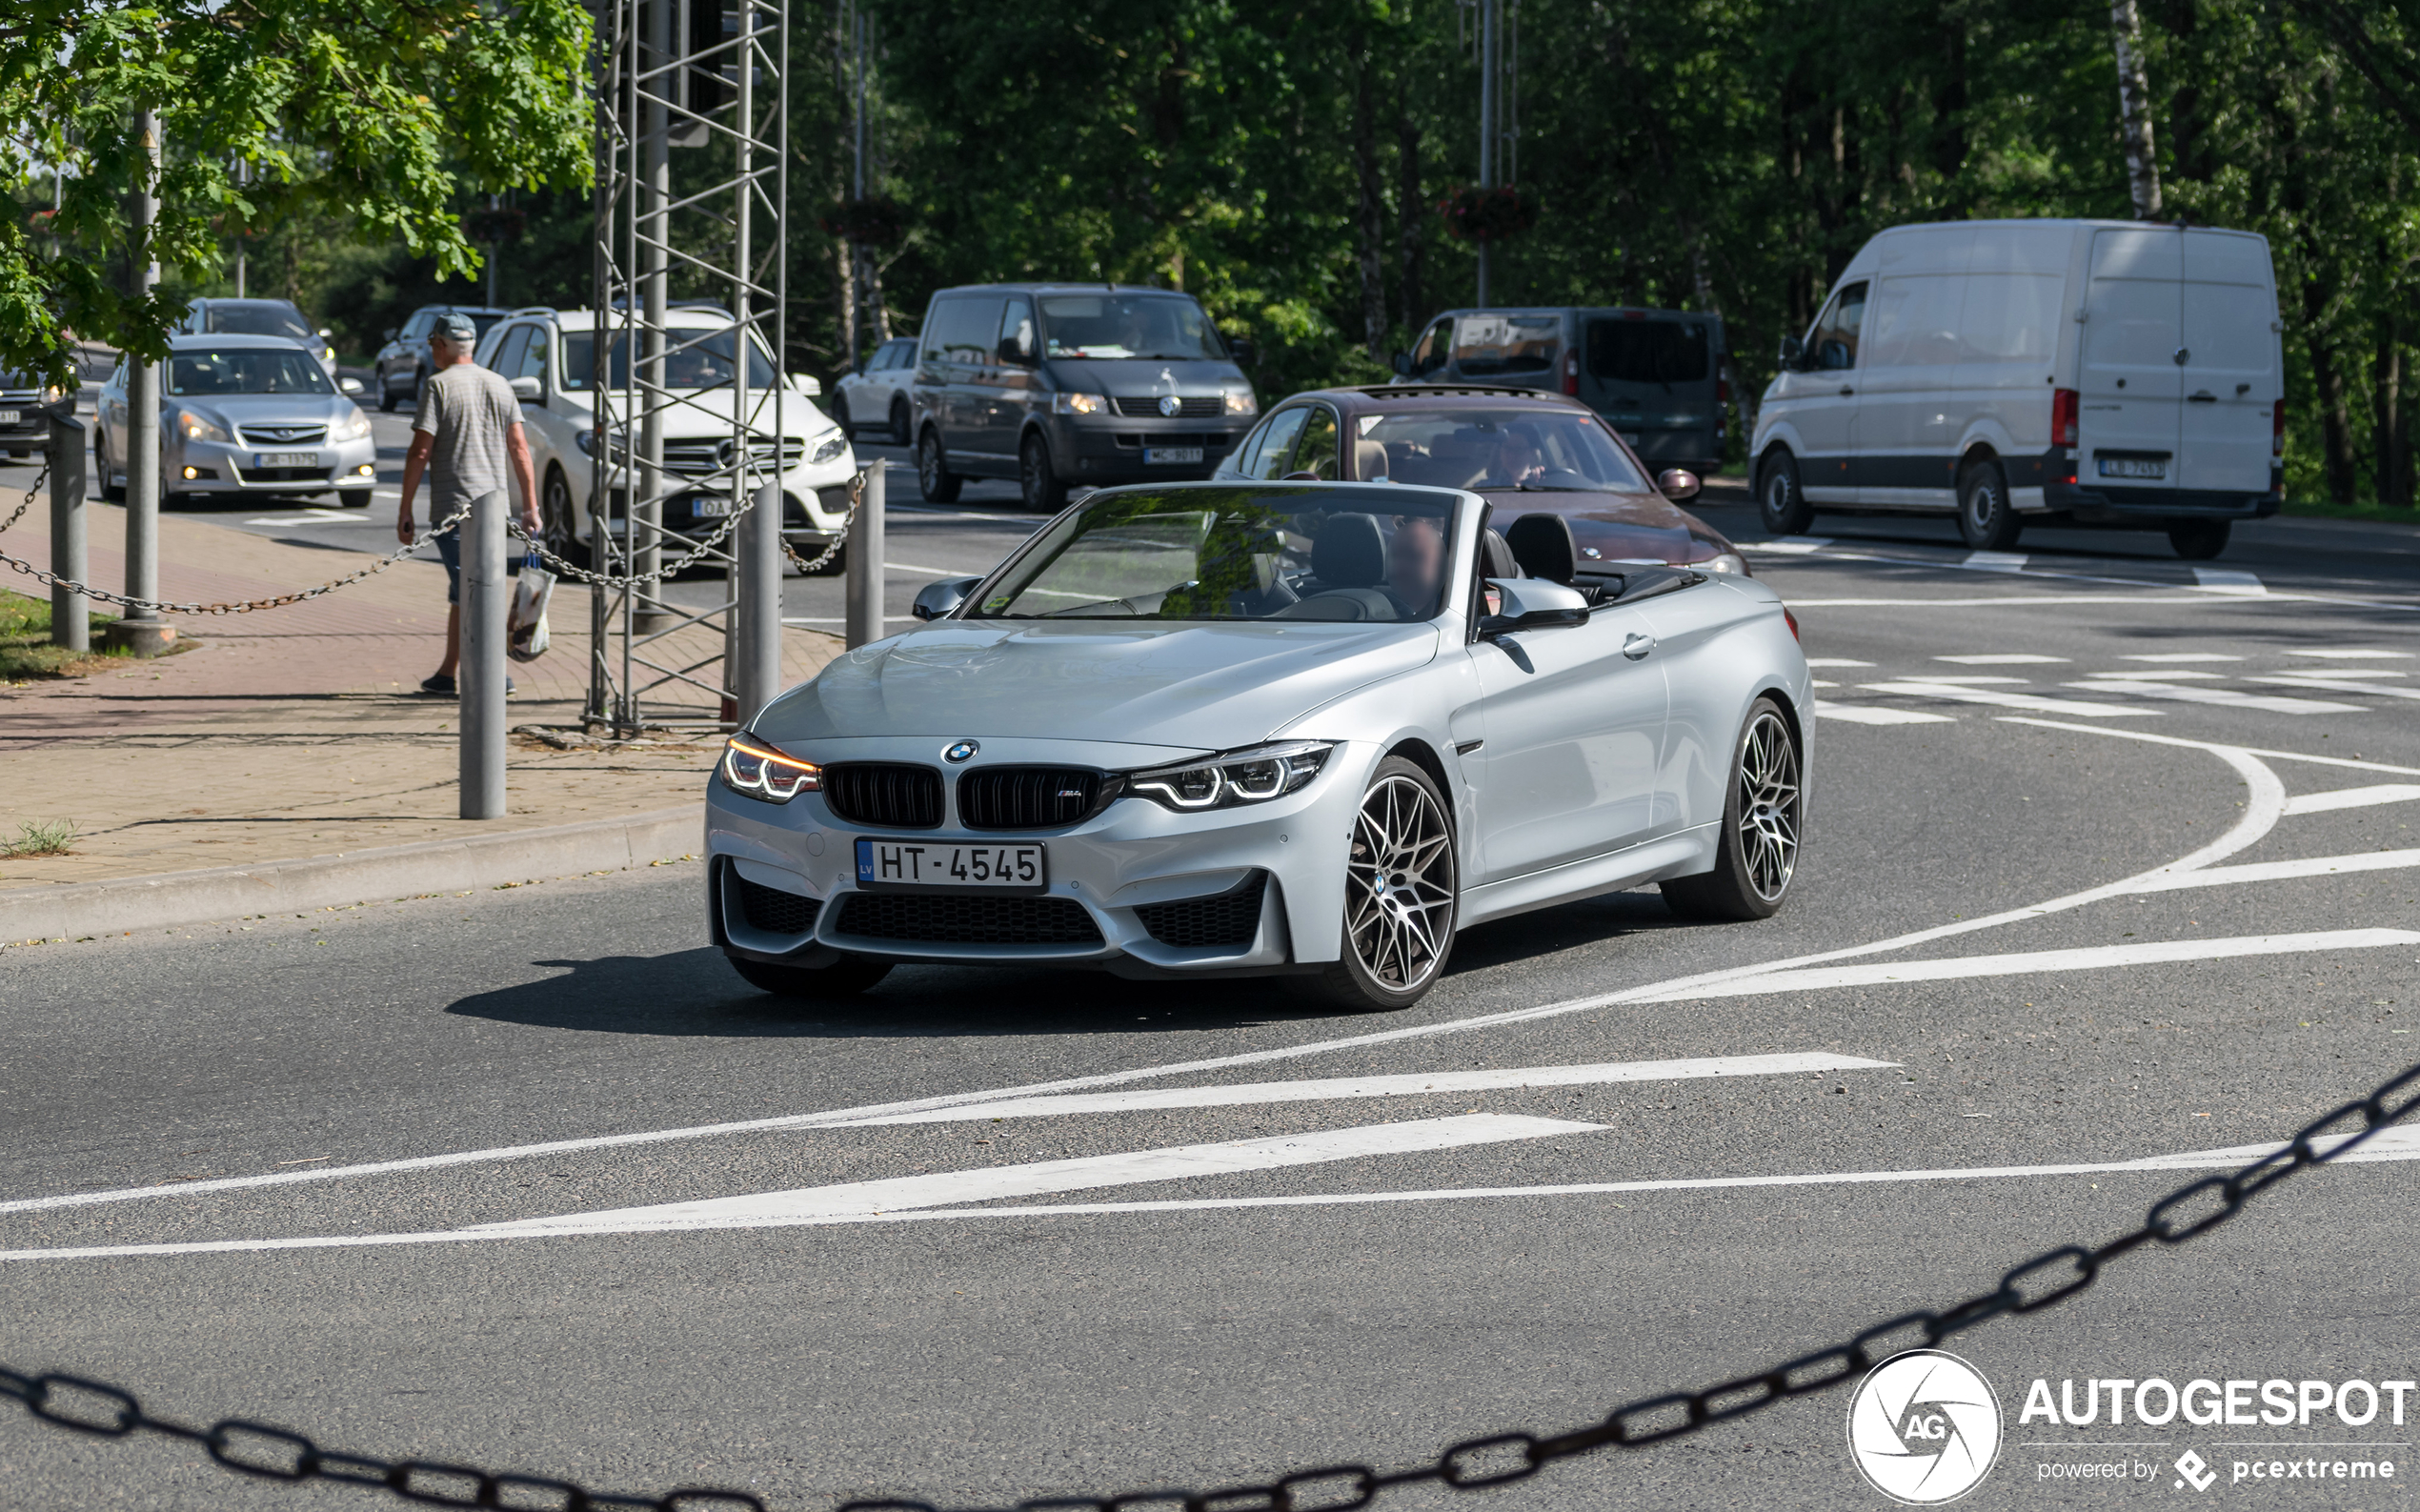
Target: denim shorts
{"x": 450, "y": 548}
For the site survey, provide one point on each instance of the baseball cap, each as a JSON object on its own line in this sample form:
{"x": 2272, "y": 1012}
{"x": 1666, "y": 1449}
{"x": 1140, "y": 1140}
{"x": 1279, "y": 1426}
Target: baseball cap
{"x": 458, "y": 328}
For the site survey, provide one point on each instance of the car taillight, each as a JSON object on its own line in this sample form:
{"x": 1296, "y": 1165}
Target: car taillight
{"x": 1791, "y": 620}
{"x": 1722, "y": 391}
{"x": 2277, "y": 430}
{"x": 1571, "y": 372}
{"x": 2063, "y": 425}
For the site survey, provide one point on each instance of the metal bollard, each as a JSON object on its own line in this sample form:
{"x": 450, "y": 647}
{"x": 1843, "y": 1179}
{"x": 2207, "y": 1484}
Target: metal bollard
{"x": 70, "y": 613}
{"x": 865, "y": 561}
{"x": 487, "y": 601}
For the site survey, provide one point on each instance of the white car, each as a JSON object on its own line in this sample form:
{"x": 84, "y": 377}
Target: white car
{"x": 548, "y": 356}
{"x": 876, "y": 396}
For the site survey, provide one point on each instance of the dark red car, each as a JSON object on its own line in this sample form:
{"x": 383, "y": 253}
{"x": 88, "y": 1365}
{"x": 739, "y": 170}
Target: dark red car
{"x": 1528, "y": 452}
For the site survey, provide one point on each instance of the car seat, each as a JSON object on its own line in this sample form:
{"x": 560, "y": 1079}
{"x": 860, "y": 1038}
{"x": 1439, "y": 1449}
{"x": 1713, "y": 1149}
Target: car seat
{"x": 1544, "y": 546}
{"x": 1348, "y": 560}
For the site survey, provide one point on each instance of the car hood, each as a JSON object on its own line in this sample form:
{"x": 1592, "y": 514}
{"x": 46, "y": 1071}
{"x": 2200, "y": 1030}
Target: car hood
{"x": 1617, "y": 527}
{"x": 707, "y": 411}
{"x": 1145, "y": 375}
{"x": 268, "y": 408}
{"x": 1200, "y": 687}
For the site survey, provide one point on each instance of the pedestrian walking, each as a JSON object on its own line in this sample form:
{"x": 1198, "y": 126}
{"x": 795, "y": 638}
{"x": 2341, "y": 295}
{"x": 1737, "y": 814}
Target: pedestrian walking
{"x": 466, "y": 436}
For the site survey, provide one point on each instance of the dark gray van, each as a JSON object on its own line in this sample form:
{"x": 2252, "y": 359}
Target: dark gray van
{"x": 1656, "y": 375}
{"x": 1054, "y": 384}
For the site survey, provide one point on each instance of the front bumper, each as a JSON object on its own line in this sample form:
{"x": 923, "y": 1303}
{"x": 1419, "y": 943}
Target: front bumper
{"x": 1111, "y": 872}
{"x": 221, "y": 466}
{"x": 815, "y": 504}
{"x": 1102, "y": 450}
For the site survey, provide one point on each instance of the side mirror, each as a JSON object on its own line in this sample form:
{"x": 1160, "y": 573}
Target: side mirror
{"x": 325, "y": 333}
{"x": 940, "y": 600}
{"x": 1245, "y": 352}
{"x": 1793, "y": 354}
{"x": 808, "y": 384}
{"x": 391, "y": 332}
{"x": 527, "y": 390}
{"x": 348, "y": 385}
{"x": 1012, "y": 353}
{"x": 1679, "y": 484}
{"x": 1403, "y": 364}
{"x": 1532, "y": 603}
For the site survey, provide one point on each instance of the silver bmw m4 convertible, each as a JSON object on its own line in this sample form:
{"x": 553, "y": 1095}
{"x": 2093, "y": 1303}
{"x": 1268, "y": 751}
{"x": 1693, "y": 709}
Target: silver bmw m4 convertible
{"x": 1306, "y": 730}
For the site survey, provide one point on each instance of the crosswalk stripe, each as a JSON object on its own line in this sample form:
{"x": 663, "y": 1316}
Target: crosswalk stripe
{"x": 1994, "y": 561}
{"x": 1877, "y": 713}
{"x": 2337, "y": 685}
{"x": 2226, "y": 580}
{"x": 2009, "y": 700}
{"x": 2226, "y": 696}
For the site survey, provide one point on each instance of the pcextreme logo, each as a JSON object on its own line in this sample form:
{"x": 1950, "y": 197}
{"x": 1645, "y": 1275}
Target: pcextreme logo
{"x": 1923, "y": 1427}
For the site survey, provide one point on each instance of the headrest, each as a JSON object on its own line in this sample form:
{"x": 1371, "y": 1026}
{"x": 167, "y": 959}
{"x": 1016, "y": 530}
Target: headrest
{"x": 1349, "y": 551}
{"x": 1542, "y": 545}
{"x": 1495, "y": 558}
{"x": 1369, "y": 460}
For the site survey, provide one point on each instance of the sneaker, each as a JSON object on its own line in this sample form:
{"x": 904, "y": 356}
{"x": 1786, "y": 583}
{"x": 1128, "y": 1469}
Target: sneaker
{"x": 440, "y": 683}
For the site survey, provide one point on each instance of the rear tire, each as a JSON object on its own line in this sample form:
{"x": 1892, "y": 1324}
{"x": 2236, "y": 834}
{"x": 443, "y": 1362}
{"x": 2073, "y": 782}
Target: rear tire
{"x": 560, "y": 531}
{"x": 1041, "y": 485}
{"x": 1756, "y": 853}
{"x": 932, "y": 476}
{"x": 2198, "y": 540}
{"x": 902, "y": 426}
{"x": 1986, "y": 519}
{"x": 845, "y": 978}
{"x": 386, "y": 394}
{"x": 1779, "y": 502}
{"x": 1401, "y": 893}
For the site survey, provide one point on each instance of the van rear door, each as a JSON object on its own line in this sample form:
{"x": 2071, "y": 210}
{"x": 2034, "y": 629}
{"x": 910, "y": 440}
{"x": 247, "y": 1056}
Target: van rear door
{"x": 2130, "y": 388}
{"x": 2230, "y": 364}
{"x": 1652, "y": 375}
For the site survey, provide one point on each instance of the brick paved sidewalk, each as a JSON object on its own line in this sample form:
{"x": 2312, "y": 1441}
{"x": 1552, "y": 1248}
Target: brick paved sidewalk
{"x": 295, "y": 732}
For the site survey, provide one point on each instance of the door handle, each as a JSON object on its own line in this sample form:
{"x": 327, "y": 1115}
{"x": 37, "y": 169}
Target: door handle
{"x": 2203, "y": 397}
{"x": 1637, "y": 646}
{"x": 1845, "y": 389}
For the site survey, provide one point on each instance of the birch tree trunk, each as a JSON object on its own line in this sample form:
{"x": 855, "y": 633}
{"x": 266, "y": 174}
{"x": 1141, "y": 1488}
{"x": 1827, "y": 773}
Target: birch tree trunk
{"x": 1369, "y": 228}
{"x": 2134, "y": 111}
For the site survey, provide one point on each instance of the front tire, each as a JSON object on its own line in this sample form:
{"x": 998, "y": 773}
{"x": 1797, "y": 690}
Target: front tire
{"x": 555, "y": 518}
{"x": 1756, "y": 853}
{"x": 845, "y": 978}
{"x": 902, "y": 427}
{"x": 1985, "y": 517}
{"x": 932, "y": 476}
{"x": 1779, "y": 502}
{"x": 2198, "y": 540}
{"x": 111, "y": 493}
{"x": 386, "y": 394}
{"x": 1402, "y": 893}
{"x": 1044, "y": 490}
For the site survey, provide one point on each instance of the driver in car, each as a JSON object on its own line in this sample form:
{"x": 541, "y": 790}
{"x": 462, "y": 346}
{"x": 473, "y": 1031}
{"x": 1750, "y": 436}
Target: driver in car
{"x": 1518, "y": 461}
{"x": 1415, "y": 565}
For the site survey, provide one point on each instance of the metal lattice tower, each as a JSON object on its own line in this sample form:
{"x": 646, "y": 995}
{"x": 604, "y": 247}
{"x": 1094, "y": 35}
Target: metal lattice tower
{"x": 710, "y": 76}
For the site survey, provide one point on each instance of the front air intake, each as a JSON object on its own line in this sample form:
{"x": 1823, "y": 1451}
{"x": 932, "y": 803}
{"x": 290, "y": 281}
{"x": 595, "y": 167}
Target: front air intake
{"x": 960, "y": 919}
{"x": 773, "y": 910}
{"x": 893, "y": 796}
{"x": 1027, "y": 797}
{"x": 1228, "y": 920}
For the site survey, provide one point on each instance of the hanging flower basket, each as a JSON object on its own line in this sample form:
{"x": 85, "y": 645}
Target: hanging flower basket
{"x": 494, "y": 228}
{"x": 1487, "y": 214}
{"x": 877, "y": 222}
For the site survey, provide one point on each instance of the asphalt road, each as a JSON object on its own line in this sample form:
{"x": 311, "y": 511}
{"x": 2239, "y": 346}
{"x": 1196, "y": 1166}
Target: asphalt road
{"x": 1124, "y": 1327}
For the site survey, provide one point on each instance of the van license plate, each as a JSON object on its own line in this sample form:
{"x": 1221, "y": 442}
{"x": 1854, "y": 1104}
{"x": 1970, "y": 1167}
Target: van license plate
{"x": 9, "y": 417}
{"x": 708, "y": 506}
{"x": 2132, "y": 467}
{"x": 1153, "y": 456}
{"x": 261, "y": 459}
{"x": 895, "y": 863}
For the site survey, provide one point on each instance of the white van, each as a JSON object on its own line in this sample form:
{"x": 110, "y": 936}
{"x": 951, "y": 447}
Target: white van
{"x": 2088, "y": 372}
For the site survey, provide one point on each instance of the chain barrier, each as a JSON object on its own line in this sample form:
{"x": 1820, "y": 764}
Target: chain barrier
{"x": 731, "y": 522}
{"x": 31, "y": 489}
{"x": 2190, "y": 1211}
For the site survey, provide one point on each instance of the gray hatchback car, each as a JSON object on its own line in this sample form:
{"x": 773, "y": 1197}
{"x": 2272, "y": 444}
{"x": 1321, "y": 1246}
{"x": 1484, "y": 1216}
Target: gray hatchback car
{"x": 1053, "y": 384}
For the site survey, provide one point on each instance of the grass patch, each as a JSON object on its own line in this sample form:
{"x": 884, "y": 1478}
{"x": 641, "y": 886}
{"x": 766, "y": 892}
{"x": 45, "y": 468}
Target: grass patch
{"x": 55, "y": 838}
{"x": 26, "y": 651}
{"x": 2375, "y": 514}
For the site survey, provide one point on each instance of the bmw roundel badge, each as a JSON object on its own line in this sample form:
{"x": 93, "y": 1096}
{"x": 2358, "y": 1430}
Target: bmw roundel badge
{"x": 963, "y": 750}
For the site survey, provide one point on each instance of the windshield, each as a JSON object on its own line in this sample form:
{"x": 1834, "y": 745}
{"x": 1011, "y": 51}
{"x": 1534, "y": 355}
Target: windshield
{"x": 246, "y": 369}
{"x": 257, "y": 320}
{"x": 1491, "y": 346}
{"x": 694, "y": 363}
{"x": 1531, "y": 450}
{"x": 1236, "y": 553}
{"x": 1169, "y": 328}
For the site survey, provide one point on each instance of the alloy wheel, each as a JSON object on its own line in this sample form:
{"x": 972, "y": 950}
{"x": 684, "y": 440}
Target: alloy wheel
{"x": 1399, "y": 884}
{"x": 1768, "y": 805}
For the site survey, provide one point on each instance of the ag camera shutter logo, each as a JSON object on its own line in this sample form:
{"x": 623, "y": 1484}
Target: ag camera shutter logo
{"x": 1923, "y": 1427}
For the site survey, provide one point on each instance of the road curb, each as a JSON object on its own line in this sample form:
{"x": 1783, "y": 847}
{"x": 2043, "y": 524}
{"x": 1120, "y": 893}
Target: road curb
{"x": 375, "y": 876}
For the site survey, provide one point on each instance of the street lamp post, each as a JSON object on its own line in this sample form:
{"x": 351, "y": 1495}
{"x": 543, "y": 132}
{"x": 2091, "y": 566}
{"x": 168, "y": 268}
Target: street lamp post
{"x": 143, "y": 630}
{"x": 1488, "y": 14}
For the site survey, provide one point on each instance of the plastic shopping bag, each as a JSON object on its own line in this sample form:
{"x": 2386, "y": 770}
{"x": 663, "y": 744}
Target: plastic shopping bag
{"x": 526, "y": 637}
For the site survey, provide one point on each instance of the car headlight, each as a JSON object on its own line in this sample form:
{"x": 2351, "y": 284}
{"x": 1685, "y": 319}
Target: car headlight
{"x": 1242, "y": 402}
{"x": 200, "y": 427}
{"x": 1724, "y": 562}
{"x": 352, "y": 429}
{"x": 1252, "y": 775}
{"x": 761, "y": 769}
{"x": 1079, "y": 404}
{"x": 54, "y": 395}
{"x": 830, "y": 449}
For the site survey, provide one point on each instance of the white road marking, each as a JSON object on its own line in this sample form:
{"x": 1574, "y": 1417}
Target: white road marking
{"x": 2350, "y": 654}
{"x": 310, "y": 517}
{"x": 2147, "y": 598}
{"x": 2401, "y": 1142}
{"x": 1835, "y": 661}
{"x": 1967, "y": 679}
{"x": 2264, "y": 803}
{"x": 1994, "y": 561}
{"x": 2226, "y": 580}
{"x": 1790, "y": 545}
{"x": 2226, "y": 696}
{"x": 1877, "y": 713}
{"x": 1411, "y": 1085}
{"x": 2009, "y": 700}
{"x": 2360, "y": 672}
{"x": 2249, "y": 750}
{"x": 2002, "y": 658}
{"x": 2312, "y": 680}
{"x": 2180, "y": 655}
{"x": 2148, "y": 675}
{"x": 2090, "y": 958}
{"x": 2353, "y": 798}
{"x": 1030, "y": 522}
{"x": 1038, "y": 1177}
{"x": 937, "y": 572}
{"x": 2284, "y": 871}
